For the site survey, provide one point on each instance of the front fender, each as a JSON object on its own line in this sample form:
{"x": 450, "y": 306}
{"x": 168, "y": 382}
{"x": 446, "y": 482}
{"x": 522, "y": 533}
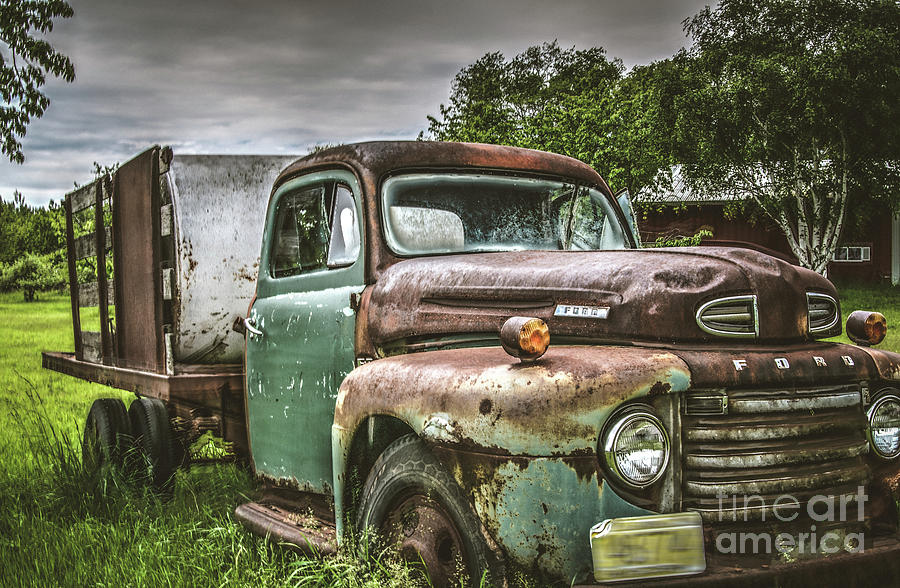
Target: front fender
{"x": 482, "y": 400}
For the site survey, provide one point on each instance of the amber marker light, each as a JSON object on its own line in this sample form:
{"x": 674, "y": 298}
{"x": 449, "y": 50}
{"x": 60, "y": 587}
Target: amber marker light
{"x": 866, "y": 328}
{"x": 525, "y": 337}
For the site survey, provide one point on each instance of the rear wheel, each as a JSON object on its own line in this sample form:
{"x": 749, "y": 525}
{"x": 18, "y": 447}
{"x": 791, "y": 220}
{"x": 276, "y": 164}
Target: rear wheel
{"x": 153, "y": 460}
{"x": 415, "y": 505}
{"x": 107, "y": 433}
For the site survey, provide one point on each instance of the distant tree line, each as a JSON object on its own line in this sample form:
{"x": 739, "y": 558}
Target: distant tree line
{"x": 790, "y": 105}
{"x": 32, "y": 247}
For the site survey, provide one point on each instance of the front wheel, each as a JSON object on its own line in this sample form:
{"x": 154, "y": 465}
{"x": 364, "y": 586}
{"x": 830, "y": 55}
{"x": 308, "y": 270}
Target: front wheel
{"x": 414, "y": 504}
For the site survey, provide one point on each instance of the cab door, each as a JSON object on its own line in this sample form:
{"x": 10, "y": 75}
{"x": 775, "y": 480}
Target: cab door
{"x": 300, "y": 347}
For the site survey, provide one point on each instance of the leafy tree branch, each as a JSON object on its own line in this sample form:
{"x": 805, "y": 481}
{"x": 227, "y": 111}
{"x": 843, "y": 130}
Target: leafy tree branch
{"x": 25, "y": 61}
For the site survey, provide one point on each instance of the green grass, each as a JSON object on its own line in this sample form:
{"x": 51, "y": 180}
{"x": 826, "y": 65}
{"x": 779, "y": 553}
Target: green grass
{"x": 60, "y": 526}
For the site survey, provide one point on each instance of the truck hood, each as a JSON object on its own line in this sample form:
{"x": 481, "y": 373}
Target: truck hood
{"x": 650, "y": 294}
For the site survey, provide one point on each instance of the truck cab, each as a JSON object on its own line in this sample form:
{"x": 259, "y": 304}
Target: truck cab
{"x": 672, "y": 378}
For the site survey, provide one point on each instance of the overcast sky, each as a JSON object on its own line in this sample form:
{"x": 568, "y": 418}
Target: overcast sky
{"x": 270, "y": 77}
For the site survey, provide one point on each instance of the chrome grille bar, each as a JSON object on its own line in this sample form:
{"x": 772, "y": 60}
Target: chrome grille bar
{"x": 773, "y": 442}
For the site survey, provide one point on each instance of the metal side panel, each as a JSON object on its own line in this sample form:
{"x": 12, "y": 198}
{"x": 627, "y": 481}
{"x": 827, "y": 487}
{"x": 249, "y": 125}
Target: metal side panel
{"x": 219, "y": 208}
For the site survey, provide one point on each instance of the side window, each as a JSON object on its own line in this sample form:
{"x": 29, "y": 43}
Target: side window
{"x": 315, "y": 227}
{"x": 593, "y": 228}
{"x": 344, "y": 246}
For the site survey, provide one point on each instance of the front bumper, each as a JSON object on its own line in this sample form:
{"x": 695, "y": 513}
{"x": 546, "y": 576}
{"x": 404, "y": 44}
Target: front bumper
{"x": 878, "y": 565}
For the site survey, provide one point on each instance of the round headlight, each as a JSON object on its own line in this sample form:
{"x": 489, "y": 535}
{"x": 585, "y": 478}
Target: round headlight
{"x": 637, "y": 448}
{"x": 884, "y": 426}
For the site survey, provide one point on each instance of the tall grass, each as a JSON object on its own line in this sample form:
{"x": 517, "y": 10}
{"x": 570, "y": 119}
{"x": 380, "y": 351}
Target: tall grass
{"x": 61, "y": 525}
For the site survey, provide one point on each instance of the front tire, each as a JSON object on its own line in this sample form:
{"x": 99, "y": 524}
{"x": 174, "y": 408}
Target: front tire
{"x": 412, "y": 502}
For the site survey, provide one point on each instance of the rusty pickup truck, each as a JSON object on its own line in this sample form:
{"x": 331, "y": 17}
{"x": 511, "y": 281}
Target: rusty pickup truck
{"x": 464, "y": 348}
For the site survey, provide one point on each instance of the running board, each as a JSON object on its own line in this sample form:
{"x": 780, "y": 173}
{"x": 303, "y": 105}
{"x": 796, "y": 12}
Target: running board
{"x": 305, "y": 533}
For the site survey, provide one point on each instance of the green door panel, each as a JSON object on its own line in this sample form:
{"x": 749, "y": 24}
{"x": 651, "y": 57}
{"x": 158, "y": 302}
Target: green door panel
{"x": 294, "y": 369}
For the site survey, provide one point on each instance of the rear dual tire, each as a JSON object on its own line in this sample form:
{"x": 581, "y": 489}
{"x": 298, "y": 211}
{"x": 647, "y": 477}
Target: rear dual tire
{"x": 138, "y": 440}
{"x": 153, "y": 459}
{"x": 107, "y": 435}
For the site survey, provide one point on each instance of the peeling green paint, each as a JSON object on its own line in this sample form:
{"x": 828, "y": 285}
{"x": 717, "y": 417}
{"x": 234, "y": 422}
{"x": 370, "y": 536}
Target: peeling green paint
{"x": 295, "y": 368}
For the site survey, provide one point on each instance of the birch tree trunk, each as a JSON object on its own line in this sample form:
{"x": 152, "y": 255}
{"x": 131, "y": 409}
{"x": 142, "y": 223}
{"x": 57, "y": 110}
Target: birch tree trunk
{"x": 810, "y": 216}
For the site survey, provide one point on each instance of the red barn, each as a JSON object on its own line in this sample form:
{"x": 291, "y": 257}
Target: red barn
{"x": 682, "y": 212}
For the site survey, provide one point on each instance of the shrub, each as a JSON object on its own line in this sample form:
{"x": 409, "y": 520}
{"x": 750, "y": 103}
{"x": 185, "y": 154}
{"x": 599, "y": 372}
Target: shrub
{"x": 681, "y": 240}
{"x": 34, "y": 273}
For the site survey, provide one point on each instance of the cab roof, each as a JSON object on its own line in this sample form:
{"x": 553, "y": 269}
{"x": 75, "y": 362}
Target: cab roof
{"x": 371, "y": 161}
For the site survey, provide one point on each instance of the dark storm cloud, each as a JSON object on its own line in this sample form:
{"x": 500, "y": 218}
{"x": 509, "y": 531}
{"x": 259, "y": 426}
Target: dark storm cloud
{"x": 279, "y": 77}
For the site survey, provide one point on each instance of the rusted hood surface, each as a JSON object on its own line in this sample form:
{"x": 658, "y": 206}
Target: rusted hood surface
{"x": 651, "y": 294}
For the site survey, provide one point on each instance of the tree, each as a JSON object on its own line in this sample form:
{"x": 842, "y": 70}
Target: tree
{"x": 574, "y": 102}
{"x": 643, "y": 147}
{"x": 29, "y": 229}
{"x": 545, "y": 98}
{"x": 32, "y": 273}
{"x": 794, "y": 105}
{"x": 25, "y": 60}
{"x": 32, "y": 240}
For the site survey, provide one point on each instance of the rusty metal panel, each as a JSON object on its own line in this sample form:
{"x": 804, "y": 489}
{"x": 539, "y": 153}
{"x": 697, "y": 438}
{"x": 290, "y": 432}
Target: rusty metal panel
{"x": 219, "y": 204}
{"x": 136, "y": 227}
{"x": 482, "y": 399}
{"x": 381, "y": 157}
{"x": 650, "y": 295}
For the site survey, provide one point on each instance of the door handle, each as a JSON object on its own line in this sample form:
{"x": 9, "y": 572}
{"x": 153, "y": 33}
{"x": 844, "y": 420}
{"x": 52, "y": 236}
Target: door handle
{"x": 251, "y": 329}
{"x": 244, "y": 325}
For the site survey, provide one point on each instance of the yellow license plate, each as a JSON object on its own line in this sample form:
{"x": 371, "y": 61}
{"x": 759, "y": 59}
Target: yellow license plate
{"x": 654, "y": 546}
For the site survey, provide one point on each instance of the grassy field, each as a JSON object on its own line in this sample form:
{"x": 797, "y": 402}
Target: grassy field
{"x": 60, "y": 527}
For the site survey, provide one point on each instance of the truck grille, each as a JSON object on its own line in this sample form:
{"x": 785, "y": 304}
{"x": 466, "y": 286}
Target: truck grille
{"x": 770, "y": 444}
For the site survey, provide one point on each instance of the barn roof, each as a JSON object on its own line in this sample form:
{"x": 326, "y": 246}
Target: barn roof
{"x": 679, "y": 192}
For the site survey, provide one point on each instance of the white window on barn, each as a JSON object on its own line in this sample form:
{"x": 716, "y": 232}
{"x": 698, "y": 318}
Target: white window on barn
{"x": 853, "y": 254}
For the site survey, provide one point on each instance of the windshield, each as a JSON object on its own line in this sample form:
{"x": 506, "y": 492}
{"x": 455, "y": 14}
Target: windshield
{"x": 451, "y": 213}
